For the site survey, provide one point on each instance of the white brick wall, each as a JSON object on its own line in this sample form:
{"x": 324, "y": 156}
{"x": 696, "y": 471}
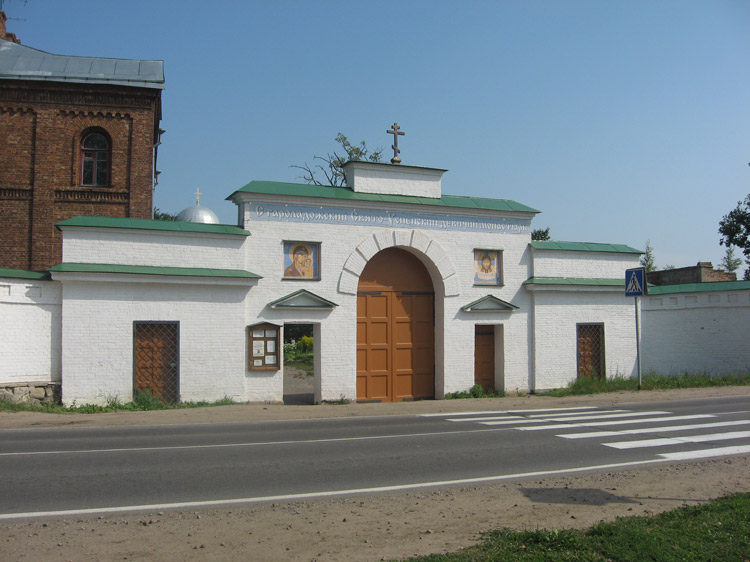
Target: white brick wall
{"x": 604, "y": 265}
{"x": 347, "y": 247}
{"x": 97, "y": 359}
{"x": 152, "y": 247}
{"x": 30, "y": 331}
{"x": 556, "y": 315}
{"x": 701, "y": 332}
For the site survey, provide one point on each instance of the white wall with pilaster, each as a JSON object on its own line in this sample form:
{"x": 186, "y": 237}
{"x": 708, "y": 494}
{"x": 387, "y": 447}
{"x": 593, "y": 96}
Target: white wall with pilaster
{"x": 97, "y": 359}
{"x": 30, "y": 331}
{"x": 558, "y": 311}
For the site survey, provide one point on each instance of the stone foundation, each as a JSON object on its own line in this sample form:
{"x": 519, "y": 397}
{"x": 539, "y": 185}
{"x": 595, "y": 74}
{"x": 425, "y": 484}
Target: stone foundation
{"x": 41, "y": 392}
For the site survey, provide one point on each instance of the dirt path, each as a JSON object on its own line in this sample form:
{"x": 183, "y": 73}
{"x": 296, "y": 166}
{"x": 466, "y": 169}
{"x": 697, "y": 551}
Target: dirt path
{"x": 369, "y": 527}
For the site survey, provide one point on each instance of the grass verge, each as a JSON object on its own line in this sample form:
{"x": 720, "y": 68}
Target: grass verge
{"x": 143, "y": 401}
{"x": 651, "y": 381}
{"x": 716, "y": 531}
{"x": 475, "y": 391}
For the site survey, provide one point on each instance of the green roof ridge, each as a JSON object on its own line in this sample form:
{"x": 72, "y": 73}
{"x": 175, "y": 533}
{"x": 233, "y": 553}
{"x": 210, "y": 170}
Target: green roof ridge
{"x": 654, "y": 290}
{"x": 150, "y": 224}
{"x": 345, "y": 193}
{"x": 583, "y": 247}
{"x": 69, "y": 267}
{"x": 23, "y": 274}
{"x": 598, "y": 281}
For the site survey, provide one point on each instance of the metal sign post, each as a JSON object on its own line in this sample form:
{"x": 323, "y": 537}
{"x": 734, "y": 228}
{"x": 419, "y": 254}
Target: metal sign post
{"x": 635, "y": 286}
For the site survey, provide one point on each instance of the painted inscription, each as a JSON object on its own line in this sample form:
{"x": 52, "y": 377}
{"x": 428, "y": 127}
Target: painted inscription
{"x": 363, "y": 217}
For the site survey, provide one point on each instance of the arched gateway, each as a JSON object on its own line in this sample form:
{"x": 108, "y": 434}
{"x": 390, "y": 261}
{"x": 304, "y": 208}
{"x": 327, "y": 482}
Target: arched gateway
{"x": 395, "y": 329}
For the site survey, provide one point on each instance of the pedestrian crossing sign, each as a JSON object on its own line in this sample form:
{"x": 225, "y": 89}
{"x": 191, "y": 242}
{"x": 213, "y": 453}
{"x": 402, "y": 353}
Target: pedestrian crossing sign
{"x": 635, "y": 282}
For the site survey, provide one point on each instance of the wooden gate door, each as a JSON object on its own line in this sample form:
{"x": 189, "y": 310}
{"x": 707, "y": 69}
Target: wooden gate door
{"x": 484, "y": 357}
{"x": 395, "y": 329}
{"x": 156, "y": 359}
{"x": 591, "y": 350}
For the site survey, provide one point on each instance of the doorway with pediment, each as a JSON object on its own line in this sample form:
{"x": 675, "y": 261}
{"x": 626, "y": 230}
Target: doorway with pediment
{"x": 395, "y": 329}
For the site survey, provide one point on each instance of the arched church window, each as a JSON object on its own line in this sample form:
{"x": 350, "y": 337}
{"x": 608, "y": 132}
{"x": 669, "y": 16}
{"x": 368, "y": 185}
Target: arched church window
{"x": 95, "y": 158}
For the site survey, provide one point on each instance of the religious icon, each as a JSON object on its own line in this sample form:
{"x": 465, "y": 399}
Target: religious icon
{"x": 487, "y": 267}
{"x": 301, "y": 260}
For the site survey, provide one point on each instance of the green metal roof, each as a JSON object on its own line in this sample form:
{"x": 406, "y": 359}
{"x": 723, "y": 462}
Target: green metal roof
{"x": 23, "y": 274}
{"x": 584, "y": 247}
{"x": 346, "y": 194}
{"x": 152, "y": 270}
{"x": 698, "y": 287}
{"x": 575, "y": 281}
{"x": 148, "y": 224}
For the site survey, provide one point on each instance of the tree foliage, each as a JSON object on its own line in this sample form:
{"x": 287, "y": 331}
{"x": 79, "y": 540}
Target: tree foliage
{"x": 159, "y": 216}
{"x": 647, "y": 259}
{"x": 540, "y": 234}
{"x": 730, "y": 262}
{"x": 328, "y": 169}
{"x": 735, "y": 230}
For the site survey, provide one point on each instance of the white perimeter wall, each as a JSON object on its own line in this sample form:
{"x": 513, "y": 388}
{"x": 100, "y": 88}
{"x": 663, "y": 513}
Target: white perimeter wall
{"x": 602, "y": 265}
{"x": 30, "y": 331}
{"x": 701, "y": 332}
{"x": 556, "y": 316}
{"x": 97, "y": 361}
{"x": 152, "y": 247}
{"x": 440, "y": 251}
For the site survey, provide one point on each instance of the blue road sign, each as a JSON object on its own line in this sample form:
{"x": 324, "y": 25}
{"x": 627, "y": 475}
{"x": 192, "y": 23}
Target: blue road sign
{"x": 635, "y": 282}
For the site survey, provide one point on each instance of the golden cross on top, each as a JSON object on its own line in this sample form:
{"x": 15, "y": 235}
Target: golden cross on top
{"x": 395, "y": 132}
{"x": 197, "y": 196}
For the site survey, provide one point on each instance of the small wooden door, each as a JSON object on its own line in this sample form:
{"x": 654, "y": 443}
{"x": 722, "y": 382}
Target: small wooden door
{"x": 395, "y": 329}
{"x": 591, "y": 351}
{"x": 484, "y": 357}
{"x": 156, "y": 359}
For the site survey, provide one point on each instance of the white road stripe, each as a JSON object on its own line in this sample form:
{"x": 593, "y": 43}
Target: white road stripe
{"x": 485, "y": 418}
{"x": 506, "y": 411}
{"x": 260, "y": 444}
{"x": 678, "y": 440}
{"x": 617, "y": 422}
{"x": 661, "y": 429}
{"x": 576, "y": 414}
{"x": 704, "y": 453}
{"x": 324, "y": 494}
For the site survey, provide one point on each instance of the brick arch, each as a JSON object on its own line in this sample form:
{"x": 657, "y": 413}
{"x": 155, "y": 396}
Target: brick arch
{"x": 420, "y": 243}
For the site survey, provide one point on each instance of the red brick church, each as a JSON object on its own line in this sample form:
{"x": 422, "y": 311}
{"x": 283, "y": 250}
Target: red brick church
{"x": 78, "y": 136}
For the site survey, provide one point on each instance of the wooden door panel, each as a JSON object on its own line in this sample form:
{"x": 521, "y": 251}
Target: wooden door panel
{"x": 484, "y": 357}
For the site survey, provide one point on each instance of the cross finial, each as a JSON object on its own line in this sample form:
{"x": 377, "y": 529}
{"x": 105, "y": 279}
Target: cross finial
{"x": 395, "y": 132}
{"x": 197, "y": 194}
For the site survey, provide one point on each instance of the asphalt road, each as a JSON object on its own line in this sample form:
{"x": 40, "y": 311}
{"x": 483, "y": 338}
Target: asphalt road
{"x": 47, "y": 471}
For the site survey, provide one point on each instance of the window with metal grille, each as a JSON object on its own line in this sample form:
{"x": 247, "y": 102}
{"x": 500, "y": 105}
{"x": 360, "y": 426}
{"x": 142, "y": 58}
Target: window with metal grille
{"x": 156, "y": 360}
{"x": 590, "y": 350}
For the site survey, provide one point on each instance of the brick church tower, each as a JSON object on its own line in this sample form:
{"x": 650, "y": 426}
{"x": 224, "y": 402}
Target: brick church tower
{"x": 78, "y": 136}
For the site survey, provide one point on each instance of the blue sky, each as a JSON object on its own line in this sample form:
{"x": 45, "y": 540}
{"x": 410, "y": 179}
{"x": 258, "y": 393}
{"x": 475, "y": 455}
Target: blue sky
{"x": 620, "y": 121}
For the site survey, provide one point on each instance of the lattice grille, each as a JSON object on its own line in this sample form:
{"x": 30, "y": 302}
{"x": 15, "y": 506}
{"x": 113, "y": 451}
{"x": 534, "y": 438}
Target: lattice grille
{"x": 157, "y": 359}
{"x": 591, "y": 351}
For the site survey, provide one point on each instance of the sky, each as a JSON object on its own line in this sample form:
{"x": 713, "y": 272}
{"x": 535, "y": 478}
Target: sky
{"x": 621, "y": 122}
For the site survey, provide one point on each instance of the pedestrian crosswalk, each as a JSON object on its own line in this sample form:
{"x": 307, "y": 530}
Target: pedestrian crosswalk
{"x": 625, "y": 429}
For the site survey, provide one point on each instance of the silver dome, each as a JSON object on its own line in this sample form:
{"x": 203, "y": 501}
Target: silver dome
{"x": 198, "y": 213}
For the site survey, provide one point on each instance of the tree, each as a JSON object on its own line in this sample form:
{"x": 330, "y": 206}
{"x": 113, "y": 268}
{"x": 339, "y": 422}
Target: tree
{"x": 330, "y": 171}
{"x": 735, "y": 230}
{"x": 540, "y": 234}
{"x": 159, "y": 216}
{"x": 730, "y": 263}
{"x": 647, "y": 259}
